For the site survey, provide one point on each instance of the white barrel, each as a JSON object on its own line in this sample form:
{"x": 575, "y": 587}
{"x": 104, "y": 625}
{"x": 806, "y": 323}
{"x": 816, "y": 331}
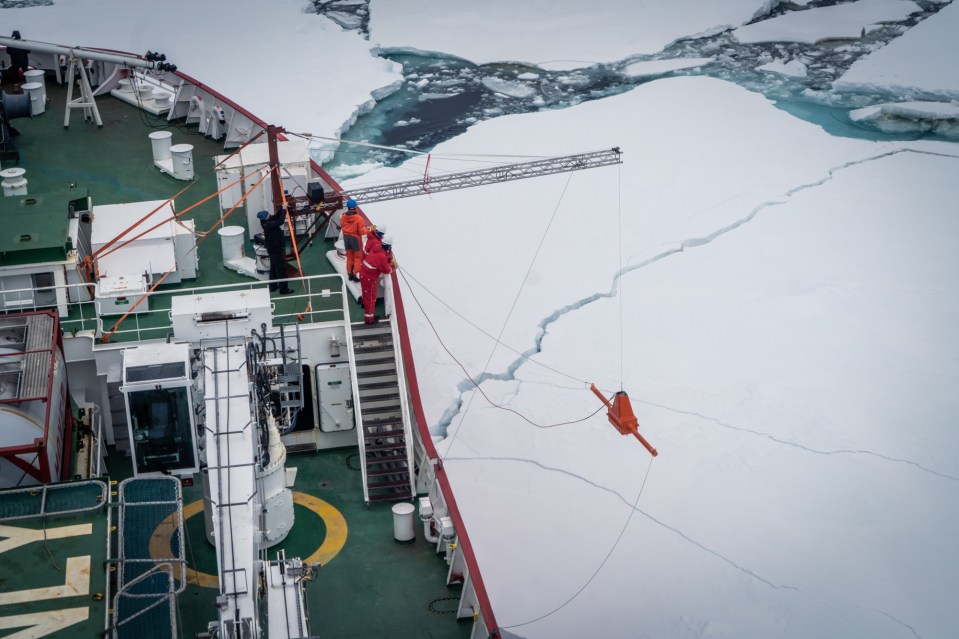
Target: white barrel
{"x": 124, "y": 85}
{"x": 161, "y": 98}
{"x": 145, "y": 91}
{"x": 37, "y": 75}
{"x": 231, "y": 241}
{"x": 34, "y": 91}
{"x": 162, "y": 141}
{"x": 403, "y": 529}
{"x": 182, "y": 161}
{"x": 13, "y": 181}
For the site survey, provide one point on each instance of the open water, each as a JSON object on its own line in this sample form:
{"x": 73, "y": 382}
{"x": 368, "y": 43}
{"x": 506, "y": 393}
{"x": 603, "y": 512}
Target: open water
{"x": 443, "y": 95}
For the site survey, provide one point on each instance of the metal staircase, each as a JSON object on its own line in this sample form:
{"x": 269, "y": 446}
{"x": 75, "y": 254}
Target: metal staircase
{"x": 384, "y": 442}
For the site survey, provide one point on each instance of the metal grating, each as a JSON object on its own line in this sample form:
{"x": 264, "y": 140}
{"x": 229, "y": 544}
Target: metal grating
{"x": 151, "y": 570}
{"x": 36, "y": 366}
{"x": 145, "y": 608}
{"x": 150, "y": 531}
{"x": 52, "y": 500}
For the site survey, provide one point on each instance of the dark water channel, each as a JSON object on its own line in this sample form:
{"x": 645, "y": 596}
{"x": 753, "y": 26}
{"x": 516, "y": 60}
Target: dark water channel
{"x": 443, "y": 95}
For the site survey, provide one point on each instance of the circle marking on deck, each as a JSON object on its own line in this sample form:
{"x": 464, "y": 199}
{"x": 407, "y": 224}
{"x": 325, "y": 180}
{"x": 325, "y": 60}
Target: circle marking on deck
{"x": 336, "y": 531}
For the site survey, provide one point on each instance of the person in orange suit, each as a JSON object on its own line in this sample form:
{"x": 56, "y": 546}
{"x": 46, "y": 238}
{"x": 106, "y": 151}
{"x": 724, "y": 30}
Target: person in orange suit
{"x": 353, "y": 227}
{"x": 374, "y": 264}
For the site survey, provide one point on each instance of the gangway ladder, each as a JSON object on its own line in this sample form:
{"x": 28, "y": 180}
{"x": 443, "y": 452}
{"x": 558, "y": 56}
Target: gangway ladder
{"x": 385, "y": 450}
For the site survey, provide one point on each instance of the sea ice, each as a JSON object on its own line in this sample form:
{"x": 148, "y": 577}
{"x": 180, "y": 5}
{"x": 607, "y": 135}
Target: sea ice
{"x": 512, "y": 89}
{"x": 793, "y": 68}
{"x": 658, "y": 67}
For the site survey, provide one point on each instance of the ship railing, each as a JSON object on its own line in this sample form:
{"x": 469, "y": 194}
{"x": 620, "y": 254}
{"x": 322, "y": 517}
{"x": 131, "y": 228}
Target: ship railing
{"x": 432, "y": 478}
{"x": 318, "y": 298}
{"x": 52, "y": 500}
{"x": 150, "y": 613}
{"x": 96, "y": 468}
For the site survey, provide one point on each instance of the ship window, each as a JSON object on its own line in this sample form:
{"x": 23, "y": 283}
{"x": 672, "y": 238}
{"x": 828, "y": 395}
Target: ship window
{"x": 150, "y": 372}
{"x": 162, "y": 432}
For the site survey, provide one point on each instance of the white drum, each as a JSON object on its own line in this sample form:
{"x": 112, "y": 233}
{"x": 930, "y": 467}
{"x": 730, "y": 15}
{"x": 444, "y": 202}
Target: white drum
{"x": 13, "y": 181}
{"x": 403, "y": 529}
{"x": 182, "y": 161}
{"x": 162, "y": 142}
{"x": 34, "y": 91}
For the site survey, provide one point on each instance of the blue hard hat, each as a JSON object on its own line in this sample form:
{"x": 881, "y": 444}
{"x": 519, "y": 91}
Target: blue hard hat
{"x": 262, "y": 215}
{"x": 351, "y": 203}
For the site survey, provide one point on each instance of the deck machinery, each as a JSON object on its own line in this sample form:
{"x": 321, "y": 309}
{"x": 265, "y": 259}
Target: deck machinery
{"x": 219, "y": 380}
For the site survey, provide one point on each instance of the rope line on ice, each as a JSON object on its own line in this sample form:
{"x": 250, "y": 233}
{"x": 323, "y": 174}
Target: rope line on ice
{"x": 619, "y": 538}
{"x": 525, "y": 355}
{"x": 474, "y": 382}
{"x": 509, "y": 315}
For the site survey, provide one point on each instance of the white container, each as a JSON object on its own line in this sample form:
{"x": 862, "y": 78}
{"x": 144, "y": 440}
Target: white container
{"x": 124, "y": 85}
{"x": 34, "y": 91}
{"x": 182, "y": 161}
{"x": 231, "y": 241}
{"x": 262, "y": 259}
{"x": 162, "y": 141}
{"x": 13, "y": 181}
{"x": 37, "y": 75}
{"x": 161, "y": 98}
{"x": 403, "y": 529}
{"x": 145, "y": 91}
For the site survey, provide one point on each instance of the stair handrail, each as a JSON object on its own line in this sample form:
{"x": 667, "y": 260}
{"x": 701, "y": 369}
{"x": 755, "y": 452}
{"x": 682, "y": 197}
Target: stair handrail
{"x": 355, "y": 389}
{"x": 404, "y": 403}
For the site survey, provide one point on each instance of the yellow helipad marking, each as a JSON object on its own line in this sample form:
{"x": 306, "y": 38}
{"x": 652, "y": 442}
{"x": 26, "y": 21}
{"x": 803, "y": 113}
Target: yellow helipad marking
{"x": 335, "y": 527}
{"x": 336, "y": 532}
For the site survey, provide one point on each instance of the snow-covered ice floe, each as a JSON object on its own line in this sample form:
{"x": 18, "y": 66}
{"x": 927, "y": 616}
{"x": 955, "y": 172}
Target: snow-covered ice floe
{"x": 839, "y": 22}
{"x": 658, "y": 67}
{"x": 922, "y": 117}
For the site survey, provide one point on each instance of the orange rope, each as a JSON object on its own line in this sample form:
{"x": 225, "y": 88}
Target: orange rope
{"x": 106, "y": 336}
{"x": 164, "y": 221}
{"x": 103, "y": 248}
{"x": 296, "y": 249}
{"x": 96, "y": 253}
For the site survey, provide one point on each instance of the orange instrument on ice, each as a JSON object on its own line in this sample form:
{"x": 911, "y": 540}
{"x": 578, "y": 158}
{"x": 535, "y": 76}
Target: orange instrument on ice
{"x": 621, "y": 416}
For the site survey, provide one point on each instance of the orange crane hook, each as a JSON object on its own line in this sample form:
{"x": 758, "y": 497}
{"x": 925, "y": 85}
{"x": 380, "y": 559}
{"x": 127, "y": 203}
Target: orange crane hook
{"x": 621, "y": 416}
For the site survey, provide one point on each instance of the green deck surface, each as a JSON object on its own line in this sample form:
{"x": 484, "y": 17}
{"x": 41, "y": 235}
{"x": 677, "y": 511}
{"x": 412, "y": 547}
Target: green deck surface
{"x": 374, "y": 586}
{"x": 114, "y": 164}
{"x": 57, "y": 583}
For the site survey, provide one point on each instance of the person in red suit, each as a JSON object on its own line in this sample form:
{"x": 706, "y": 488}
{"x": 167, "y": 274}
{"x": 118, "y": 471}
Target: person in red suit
{"x": 374, "y": 264}
{"x": 374, "y": 238}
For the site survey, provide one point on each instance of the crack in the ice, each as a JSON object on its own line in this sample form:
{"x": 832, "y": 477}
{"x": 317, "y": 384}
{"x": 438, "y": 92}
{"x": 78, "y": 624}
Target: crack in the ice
{"x": 509, "y": 374}
{"x": 898, "y": 621}
{"x": 642, "y": 512}
{"x": 803, "y": 447}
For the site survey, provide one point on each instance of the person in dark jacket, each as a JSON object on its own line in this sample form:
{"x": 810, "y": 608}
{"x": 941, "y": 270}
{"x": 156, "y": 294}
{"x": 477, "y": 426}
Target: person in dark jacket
{"x": 274, "y": 240}
{"x": 19, "y": 61}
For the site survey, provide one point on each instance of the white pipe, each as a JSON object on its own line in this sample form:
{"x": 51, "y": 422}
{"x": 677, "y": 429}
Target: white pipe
{"x": 427, "y": 530}
{"x": 127, "y": 59}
